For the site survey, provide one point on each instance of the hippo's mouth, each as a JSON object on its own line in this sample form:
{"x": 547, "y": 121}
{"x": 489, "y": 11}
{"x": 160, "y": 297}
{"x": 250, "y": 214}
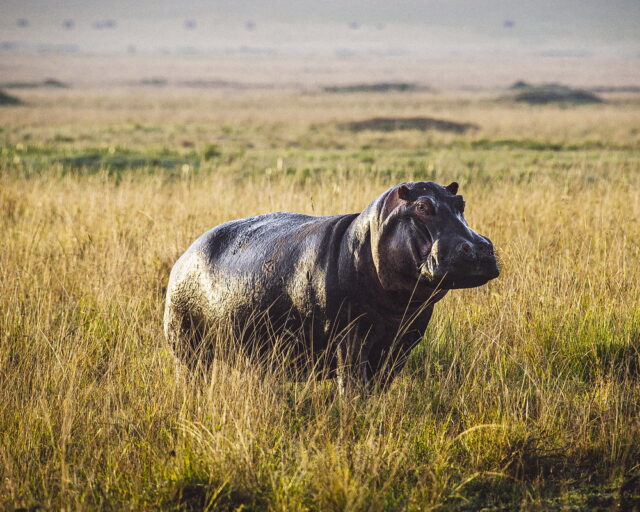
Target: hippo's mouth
{"x": 428, "y": 264}
{"x": 423, "y": 243}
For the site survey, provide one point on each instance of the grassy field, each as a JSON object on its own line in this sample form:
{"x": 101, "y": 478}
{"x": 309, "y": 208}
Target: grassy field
{"x": 524, "y": 394}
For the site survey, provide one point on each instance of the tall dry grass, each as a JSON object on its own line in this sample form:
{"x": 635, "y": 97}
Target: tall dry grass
{"x": 525, "y": 393}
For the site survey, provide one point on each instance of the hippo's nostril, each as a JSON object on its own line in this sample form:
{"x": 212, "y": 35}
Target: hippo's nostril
{"x": 466, "y": 251}
{"x": 486, "y": 250}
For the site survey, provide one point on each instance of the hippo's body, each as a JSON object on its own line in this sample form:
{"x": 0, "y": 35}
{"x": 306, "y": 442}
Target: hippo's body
{"x": 348, "y": 292}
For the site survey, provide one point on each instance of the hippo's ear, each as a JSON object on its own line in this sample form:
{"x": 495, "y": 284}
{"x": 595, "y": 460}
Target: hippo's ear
{"x": 404, "y": 193}
{"x": 453, "y": 188}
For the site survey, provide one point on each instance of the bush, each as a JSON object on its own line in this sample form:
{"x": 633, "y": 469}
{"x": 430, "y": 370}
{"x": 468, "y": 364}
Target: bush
{"x": 553, "y": 93}
{"x": 212, "y": 151}
{"x": 7, "y": 99}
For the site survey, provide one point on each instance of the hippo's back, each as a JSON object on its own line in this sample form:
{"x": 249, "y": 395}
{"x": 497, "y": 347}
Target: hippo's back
{"x": 278, "y": 262}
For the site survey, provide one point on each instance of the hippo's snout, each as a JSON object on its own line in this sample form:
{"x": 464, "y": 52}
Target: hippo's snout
{"x": 462, "y": 263}
{"x": 471, "y": 263}
{"x": 469, "y": 251}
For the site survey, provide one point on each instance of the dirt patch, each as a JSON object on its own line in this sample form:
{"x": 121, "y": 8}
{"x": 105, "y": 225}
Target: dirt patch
{"x": 374, "y": 87}
{"x": 389, "y": 124}
{"x": 49, "y": 83}
{"x": 94, "y": 160}
{"x": 153, "y": 82}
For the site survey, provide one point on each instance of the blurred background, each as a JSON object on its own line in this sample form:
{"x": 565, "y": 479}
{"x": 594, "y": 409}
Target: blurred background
{"x": 282, "y": 43}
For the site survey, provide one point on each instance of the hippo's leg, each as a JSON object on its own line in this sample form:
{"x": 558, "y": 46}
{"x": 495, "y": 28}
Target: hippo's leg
{"x": 353, "y": 371}
{"x": 185, "y": 332}
{"x": 387, "y": 363}
{"x": 394, "y": 360}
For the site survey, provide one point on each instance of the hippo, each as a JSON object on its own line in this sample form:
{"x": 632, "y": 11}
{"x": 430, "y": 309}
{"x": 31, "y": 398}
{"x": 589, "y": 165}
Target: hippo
{"x": 348, "y": 296}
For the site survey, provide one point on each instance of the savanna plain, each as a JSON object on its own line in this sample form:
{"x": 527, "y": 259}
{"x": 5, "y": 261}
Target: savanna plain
{"x": 524, "y": 393}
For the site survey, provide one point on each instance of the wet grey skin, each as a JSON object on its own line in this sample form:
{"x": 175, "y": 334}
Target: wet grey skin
{"x": 347, "y": 295}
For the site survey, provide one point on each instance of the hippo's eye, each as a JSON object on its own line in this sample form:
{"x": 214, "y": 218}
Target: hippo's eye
{"x": 426, "y": 208}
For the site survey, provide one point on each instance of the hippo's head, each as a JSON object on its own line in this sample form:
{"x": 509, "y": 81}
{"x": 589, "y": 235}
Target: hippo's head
{"x": 422, "y": 235}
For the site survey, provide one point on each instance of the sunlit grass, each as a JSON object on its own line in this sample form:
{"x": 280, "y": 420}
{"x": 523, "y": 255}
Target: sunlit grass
{"x": 525, "y": 393}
